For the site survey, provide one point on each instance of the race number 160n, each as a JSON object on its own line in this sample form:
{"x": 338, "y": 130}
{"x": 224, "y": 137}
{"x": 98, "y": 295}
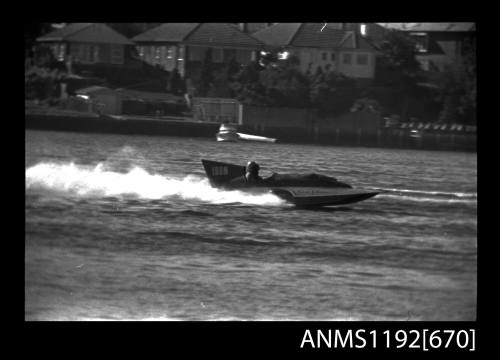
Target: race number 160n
{"x": 431, "y": 339}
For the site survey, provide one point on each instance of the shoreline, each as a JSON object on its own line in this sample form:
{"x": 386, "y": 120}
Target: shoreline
{"x": 60, "y": 120}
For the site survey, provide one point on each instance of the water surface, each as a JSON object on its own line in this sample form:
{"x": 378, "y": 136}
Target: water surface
{"x": 127, "y": 227}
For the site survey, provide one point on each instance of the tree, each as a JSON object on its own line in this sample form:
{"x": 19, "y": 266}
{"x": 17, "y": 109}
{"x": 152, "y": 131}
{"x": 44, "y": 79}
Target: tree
{"x": 247, "y": 86}
{"x": 175, "y": 83}
{"x": 332, "y": 93}
{"x": 207, "y": 73}
{"x": 367, "y": 104}
{"x": 273, "y": 82}
{"x": 399, "y": 53}
{"x": 399, "y": 67}
{"x": 34, "y": 30}
{"x": 233, "y": 67}
{"x": 458, "y": 88}
{"x": 285, "y": 84}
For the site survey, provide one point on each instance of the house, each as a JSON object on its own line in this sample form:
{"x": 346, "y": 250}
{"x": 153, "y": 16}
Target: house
{"x": 162, "y": 46}
{"x": 183, "y": 46}
{"x": 88, "y": 43}
{"x": 337, "y": 46}
{"x": 439, "y": 45}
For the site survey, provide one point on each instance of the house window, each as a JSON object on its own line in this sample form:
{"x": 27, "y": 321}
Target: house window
{"x": 180, "y": 56}
{"x": 347, "y": 59}
{"x": 62, "y": 52}
{"x": 217, "y": 56}
{"x": 140, "y": 49}
{"x": 54, "y": 49}
{"x": 95, "y": 53}
{"x": 81, "y": 52}
{"x": 421, "y": 41}
{"x": 362, "y": 59}
{"x": 116, "y": 54}
{"x": 163, "y": 54}
{"x": 170, "y": 52}
{"x": 332, "y": 56}
{"x": 324, "y": 56}
{"x": 157, "y": 53}
{"x": 85, "y": 53}
{"x": 75, "y": 52}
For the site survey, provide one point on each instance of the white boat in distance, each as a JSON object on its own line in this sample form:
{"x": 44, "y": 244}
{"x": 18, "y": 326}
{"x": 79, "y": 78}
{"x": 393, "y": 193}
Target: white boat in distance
{"x": 229, "y": 133}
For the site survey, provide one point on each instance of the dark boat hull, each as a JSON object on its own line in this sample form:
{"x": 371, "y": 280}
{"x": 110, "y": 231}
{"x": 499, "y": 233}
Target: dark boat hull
{"x": 322, "y": 196}
{"x": 308, "y": 190}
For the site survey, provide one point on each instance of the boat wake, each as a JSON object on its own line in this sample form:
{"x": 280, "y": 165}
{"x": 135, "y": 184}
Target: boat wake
{"x": 428, "y": 196}
{"x": 97, "y": 181}
{"x": 428, "y": 199}
{"x": 424, "y": 192}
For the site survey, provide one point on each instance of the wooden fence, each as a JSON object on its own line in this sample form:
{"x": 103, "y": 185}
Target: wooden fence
{"x": 217, "y": 110}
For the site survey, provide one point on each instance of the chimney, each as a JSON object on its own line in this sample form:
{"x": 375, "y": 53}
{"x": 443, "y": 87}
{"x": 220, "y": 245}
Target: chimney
{"x": 363, "y": 29}
{"x": 243, "y": 27}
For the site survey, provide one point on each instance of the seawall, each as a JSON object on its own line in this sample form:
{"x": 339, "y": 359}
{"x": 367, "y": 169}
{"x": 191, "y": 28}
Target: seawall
{"x": 129, "y": 125}
{"x": 387, "y": 138}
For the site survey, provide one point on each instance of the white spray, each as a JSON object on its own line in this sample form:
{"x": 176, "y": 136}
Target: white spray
{"x": 96, "y": 181}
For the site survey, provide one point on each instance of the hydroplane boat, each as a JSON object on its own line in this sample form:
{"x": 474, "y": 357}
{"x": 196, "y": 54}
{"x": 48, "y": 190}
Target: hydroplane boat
{"x": 229, "y": 133}
{"x": 302, "y": 190}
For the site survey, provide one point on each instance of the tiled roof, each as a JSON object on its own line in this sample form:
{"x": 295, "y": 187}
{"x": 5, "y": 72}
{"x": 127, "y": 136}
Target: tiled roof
{"x": 86, "y": 32}
{"x": 215, "y": 34}
{"x": 366, "y": 44}
{"x": 360, "y": 42}
{"x": 424, "y": 27}
{"x": 171, "y": 32}
{"x": 278, "y": 34}
{"x": 62, "y": 33}
{"x": 316, "y": 35}
{"x": 221, "y": 34}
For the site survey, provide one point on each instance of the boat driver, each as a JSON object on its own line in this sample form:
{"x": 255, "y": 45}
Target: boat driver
{"x": 252, "y": 172}
{"x": 251, "y": 175}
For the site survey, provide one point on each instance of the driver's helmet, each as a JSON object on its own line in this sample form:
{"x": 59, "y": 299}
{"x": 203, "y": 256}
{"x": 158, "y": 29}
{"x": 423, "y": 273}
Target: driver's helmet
{"x": 252, "y": 166}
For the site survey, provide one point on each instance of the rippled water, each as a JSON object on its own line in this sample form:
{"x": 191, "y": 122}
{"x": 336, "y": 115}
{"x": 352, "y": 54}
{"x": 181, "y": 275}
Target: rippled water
{"x": 127, "y": 227}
